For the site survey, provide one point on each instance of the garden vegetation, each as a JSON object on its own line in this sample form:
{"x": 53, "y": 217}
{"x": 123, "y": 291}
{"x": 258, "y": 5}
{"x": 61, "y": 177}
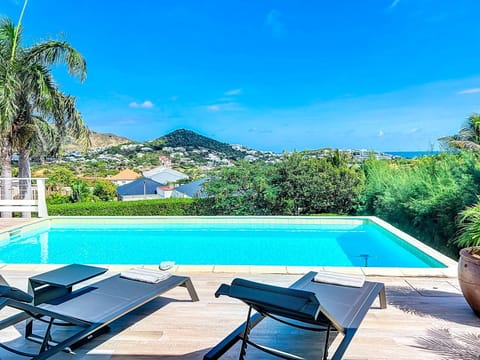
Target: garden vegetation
{"x": 423, "y": 197}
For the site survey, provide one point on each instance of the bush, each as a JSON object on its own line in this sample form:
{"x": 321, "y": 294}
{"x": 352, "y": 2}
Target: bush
{"x": 163, "y": 207}
{"x": 80, "y": 192}
{"x": 297, "y": 185}
{"x": 104, "y": 190}
{"x": 423, "y": 197}
{"x": 56, "y": 198}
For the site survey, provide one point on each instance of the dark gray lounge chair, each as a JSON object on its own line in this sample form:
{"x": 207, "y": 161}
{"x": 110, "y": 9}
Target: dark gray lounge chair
{"x": 306, "y": 304}
{"x": 91, "y": 308}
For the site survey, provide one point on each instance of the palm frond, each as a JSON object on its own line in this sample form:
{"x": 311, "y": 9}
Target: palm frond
{"x": 8, "y": 105}
{"x": 7, "y": 33}
{"x": 58, "y": 52}
{"x": 75, "y": 125}
{"x": 467, "y": 138}
{"x": 464, "y": 145}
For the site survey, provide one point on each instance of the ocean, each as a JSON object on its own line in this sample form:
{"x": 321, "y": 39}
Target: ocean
{"x": 412, "y": 154}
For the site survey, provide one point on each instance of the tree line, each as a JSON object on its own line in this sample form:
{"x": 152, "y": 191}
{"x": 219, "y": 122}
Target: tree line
{"x": 296, "y": 185}
{"x": 423, "y": 197}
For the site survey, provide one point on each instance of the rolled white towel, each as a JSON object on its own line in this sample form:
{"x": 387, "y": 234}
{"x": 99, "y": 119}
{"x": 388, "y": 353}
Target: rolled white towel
{"x": 329, "y": 277}
{"x": 166, "y": 265}
{"x": 145, "y": 275}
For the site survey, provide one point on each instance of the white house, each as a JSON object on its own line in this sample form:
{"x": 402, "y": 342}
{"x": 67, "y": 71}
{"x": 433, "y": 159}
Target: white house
{"x": 164, "y": 175}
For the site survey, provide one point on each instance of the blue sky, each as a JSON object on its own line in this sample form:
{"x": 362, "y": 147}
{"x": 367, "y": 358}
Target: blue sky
{"x": 388, "y": 75}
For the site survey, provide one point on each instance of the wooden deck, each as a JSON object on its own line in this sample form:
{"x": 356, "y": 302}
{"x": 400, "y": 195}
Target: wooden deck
{"x": 6, "y": 223}
{"x": 175, "y": 328}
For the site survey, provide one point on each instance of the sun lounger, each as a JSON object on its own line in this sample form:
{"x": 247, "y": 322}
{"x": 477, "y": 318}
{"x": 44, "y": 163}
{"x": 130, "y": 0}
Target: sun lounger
{"x": 91, "y": 308}
{"x": 307, "y": 304}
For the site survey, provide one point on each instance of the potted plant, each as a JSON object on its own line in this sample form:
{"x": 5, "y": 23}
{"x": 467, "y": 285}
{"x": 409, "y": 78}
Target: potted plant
{"x": 469, "y": 262}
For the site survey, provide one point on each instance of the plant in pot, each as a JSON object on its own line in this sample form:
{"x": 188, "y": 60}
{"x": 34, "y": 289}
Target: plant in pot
{"x": 469, "y": 262}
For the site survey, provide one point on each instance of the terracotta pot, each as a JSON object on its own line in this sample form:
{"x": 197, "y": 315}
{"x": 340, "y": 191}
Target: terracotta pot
{"x": 469, "y": 278}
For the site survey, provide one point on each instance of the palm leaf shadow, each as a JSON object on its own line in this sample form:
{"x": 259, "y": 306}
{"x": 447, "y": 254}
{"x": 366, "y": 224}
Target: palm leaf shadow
{"x": 441, "y": 341}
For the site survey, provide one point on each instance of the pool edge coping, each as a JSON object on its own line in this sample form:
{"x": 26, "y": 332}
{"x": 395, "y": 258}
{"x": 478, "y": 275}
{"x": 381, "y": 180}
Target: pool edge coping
{"x": 450, "y": 271}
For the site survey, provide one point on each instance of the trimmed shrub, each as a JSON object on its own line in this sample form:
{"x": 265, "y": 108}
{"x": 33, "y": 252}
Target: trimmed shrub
{"x": 163, "y": 207}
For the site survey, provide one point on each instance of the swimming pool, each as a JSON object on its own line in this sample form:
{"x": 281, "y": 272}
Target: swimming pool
{"x": 285, "y": 241}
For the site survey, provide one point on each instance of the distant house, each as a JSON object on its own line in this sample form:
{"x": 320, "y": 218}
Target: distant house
{"x": 124, "y": 177}
{"x": 140, "y": 189}
{"x": 165, "y": 161}
{"x": 165, "y": 191}
{"x": 164, "y": 175}
{"x": 193, "y": 189}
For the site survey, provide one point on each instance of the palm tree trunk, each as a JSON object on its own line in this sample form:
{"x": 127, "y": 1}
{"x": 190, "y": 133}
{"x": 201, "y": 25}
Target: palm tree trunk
{"x": 24, "y": 173}
{"x": 6, "y": 164}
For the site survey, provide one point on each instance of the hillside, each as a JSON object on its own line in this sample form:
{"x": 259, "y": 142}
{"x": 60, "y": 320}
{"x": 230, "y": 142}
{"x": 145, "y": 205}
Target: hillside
{"x": 191, "y": 140}
{"x": 182, "y": 149}
{"x": 98, "y": 140}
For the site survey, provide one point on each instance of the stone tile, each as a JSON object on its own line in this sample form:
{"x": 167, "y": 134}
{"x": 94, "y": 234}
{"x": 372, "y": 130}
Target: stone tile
{"x": 194, "y": 268}
{"x": 268, "y": 269}
{"x": 231, "y": 269}
{"x": 303, "y": 269}
{"x": 434, "y": 287}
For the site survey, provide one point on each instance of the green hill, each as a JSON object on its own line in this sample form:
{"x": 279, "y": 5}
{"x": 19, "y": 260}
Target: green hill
{"x": 191, "y": 140}
{"x": 97, "y": 140}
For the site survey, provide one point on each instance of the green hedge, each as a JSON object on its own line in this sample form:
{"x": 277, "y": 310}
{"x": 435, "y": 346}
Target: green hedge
{"x": 164, "y": 207}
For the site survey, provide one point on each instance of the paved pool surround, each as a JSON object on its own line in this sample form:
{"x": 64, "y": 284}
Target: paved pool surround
{"x": 449, "y": 271}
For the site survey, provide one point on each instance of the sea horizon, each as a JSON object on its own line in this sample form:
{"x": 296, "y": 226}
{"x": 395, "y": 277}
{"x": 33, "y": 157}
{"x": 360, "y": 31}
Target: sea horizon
{"x": 413, "y": 154}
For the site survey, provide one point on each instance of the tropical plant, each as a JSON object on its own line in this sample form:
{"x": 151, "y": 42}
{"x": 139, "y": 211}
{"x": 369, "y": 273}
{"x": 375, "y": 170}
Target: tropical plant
{"x": 243, "y": 189}
{"x": 468, "y": 136}
{"x": 30, "y": 100}
{"x": 469, "y": 229}
{"x": 56, "y": 198}
{"x": 79, "y": 191}
{"x": 311, "y": 185}
{"x": 423, "y": 196}
{"x": 58, "y": 178}
{"x": 104, "y": 190}
{"x": 297, "y": 185}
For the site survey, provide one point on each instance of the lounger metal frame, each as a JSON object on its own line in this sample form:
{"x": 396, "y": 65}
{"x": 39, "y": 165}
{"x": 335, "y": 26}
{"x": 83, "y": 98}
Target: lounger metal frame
{"x": 59, "y": 311}
{"x": 331, "y": 316}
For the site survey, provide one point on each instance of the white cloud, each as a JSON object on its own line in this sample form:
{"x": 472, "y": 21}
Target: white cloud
{"x": 380, "y": 133}
{"x": 233, "y": 92}
{"x": 147, "y": 104}
{"x": 274, "y": 22}
{"x": 413, "y": 130}
{"x": 469, "y": 91}
{"x": 213, "y": 108}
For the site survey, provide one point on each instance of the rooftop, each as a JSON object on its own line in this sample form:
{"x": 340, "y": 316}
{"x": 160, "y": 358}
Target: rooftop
{"x": 126, "y": 174}
{"x": 141, "y": 186}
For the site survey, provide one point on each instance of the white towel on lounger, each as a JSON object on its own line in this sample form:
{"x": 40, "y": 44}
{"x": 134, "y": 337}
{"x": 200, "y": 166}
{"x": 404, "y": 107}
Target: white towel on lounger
{"x": 145, "y": 275}
{"x": 339, "y": 279}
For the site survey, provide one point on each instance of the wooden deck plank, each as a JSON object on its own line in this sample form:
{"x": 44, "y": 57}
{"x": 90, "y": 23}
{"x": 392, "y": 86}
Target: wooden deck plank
{"x": 6, "y": 223}
{"x": 175, "y": 328}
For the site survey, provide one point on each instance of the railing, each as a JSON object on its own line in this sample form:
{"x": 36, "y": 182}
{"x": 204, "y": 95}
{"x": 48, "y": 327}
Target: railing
{"x": 25, "y": 195}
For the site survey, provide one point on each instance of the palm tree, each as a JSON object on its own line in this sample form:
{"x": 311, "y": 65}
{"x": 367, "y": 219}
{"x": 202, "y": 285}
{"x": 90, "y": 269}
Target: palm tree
{"x": 30, "y": 100}
{"x": 468, "y": 136}
{"x": 42, "y": 132}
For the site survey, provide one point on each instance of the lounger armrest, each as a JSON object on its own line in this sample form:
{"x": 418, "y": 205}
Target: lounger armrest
{"x": 224, "y": 289}
{"x": 15, "y": 294}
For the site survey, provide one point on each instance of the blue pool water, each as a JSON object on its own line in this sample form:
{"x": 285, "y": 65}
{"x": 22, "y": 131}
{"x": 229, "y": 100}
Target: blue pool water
{"x": 335, "y": 244}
